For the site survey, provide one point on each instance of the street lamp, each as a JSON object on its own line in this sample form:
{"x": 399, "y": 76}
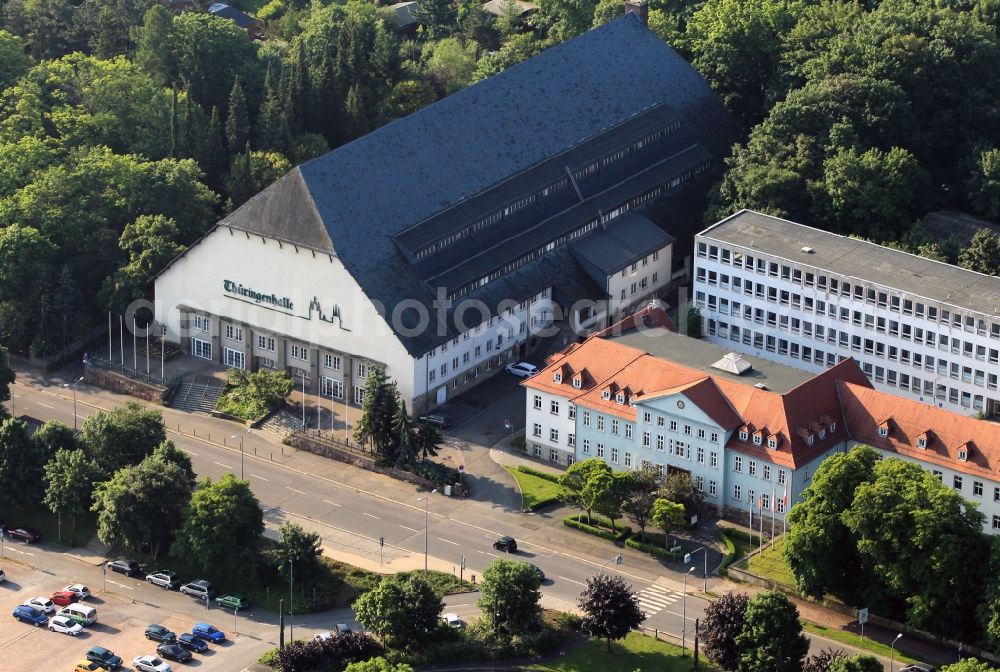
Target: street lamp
{"x": 291, "y": 581}
{"x": 892, "y": 651}
{"x": 684, "y": 618}
{"x": 73, "y": 386}
{"x": 617, "y": 560}
{"x": 240, "y": 437}
{"x": 688, "y": 558}
{"x": 426, "y": 501}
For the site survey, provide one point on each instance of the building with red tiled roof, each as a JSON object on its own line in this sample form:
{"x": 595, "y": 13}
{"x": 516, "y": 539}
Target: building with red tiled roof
{"x": 749, "y": 432}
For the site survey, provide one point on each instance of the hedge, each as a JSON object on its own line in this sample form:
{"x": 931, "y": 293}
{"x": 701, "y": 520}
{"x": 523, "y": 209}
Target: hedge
{"x": 552, "y": 478}
{"x": 624, "y": 532}
{"x": 730, "y": 552}
{"x": 652, "y": 548}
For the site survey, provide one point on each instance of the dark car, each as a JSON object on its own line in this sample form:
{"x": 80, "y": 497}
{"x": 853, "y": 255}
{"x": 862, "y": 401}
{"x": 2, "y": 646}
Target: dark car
{"x": 232, "y": 601}
{"x": 437, "y": 419}
{"x": 26, "y": 614}
{"x": 26, "y": 534}
{"x": 192, "y": 642}
{"x": 173, "y": 652}
{"x": 538, "y": 571}
{"x": 505, "y": 544}
{"x": 103, "y": 657}
{"x": 918, "y": 667}
{"x": 158, "y": 633}
{"x": 126, "y": 567}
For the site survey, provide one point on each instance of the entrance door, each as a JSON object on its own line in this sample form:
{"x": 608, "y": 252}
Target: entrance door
{"x": 442, "y": 394}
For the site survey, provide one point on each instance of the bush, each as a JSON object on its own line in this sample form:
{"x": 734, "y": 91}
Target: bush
{"x": 300, "y": 656}
{"x": 437, "y": 473}
{"x": 554, "y": 478}
{"x": 604, "y": 532}
{"x": 252, "y": 395}
{"x": 269, "y": 657}
{"x": 658, "y": 551}
{"x": 350, "y": 648}
{"x": 730, "y": 551}
{"x": 518, "y": 442}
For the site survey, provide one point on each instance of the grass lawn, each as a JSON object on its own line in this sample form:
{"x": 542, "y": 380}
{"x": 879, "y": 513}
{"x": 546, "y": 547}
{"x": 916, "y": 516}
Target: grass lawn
{"x": 47, "y": 523}
{"x": 853, "y": 639}
{"x": 635, "y": 652}
{"x": 442, "y": 583}
{"x": 742, "y": 541}
{"x": 536, "y": 492}
{"x": 771, "y": 564}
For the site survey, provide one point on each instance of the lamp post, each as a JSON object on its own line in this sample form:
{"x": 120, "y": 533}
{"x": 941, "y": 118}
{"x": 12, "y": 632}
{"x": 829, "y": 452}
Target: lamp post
{"x": 240, "y": 437}
{"x": 684, "y": 618}
{"x": 73, "y": 387}
{"x": 303, "y": 400}
{"x": 291, "y": 581}
{"x": 688, "y": 558}
{"x": 617, "y": 560}
{"x": 426, "y": 501}
{"x": 892, "y": 651}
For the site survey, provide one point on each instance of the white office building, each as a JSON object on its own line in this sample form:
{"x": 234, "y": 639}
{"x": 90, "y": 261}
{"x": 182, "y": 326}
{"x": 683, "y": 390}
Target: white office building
{"x": 809, "y": 298}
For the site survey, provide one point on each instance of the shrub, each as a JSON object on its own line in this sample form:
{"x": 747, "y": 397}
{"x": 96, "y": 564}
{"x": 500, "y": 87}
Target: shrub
{"x": 437, "y": 473}
{"x": 300, "y": 656}
{"x": 252, "y": 395}
{"x": 623, "y": 531}
{"x": 518, "y": 442}
{"x": 554, "y": 478}
{"x": 269, "y": 657}
{"x": 658, "y": 551}
{"x": 730, "y": 551}
{"x": 351, "y": 647}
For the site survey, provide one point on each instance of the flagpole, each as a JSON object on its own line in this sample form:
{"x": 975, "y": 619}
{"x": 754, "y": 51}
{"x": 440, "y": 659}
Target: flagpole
{"x": 163, "y": 332}
{"x": 751, "y": 523}
{"x": 148, "y": 327}
{"x": 135, "y": 348}
{"x": 121, "y": 337}
{"x": 784, "y": 514}
{"x": 773, "y": 507}
{"x": 109, "y": 337}
{"x": 760, "y": 515}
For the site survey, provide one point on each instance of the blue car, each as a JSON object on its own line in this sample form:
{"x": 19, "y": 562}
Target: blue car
{"x": 209, "y": 632}
{"x": 192, "y": 642}
{"x": 31, "y": 615}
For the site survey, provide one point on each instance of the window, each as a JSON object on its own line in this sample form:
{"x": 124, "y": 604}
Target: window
{"x": 614, "y": 425}
{"x": 362, "y": 369}
{"x": 757, "y": 439}
{"x": 713, "y": 489}
{"x": 743, "y": 435}
{"x": 557, "y": 377}
{"x": 536, "y": 429}
{"x": 772, "y": 442}
{"x": 996, "y": 522}
{"x": 200, "y": 348}
{"x": 265, "y": 343}
{"x": 553, "y": 455}
{"x": 645, "y": 439}
{"x": 234, "y": 333}
{"x": 202, "y": 322}
{"x": 571, "y": 440}
{"x": 628, "y": 459}
{"x": 600, "y": 450}
{"x": 538, "y": 402}
{"x": 963, "y": 455}
{"x": 977, "y": 488}
{"x": 701, "y": 455}
{"x": 713, "y": 460}
{"x": 737, "y": 492}
{"x": 359, "y": 394}
{"x": 586, "y": 418}
{"x": 572, "y": 411}
{"x": 235, "y": 359}
{"x": 737, "y": 463}
{"x": 331, "y": 362}
{"x": 767, "y": 472}
{"x": 659, "y": 442}
{"x": 577, "y": 383}
{"x": 752, "y": 468}
{"x": 701, "y": 433}
{"x": 687, "y": 430}
{"x": 699, "y": 483}
{"x": 957, "y": 482}
{"x": 628, "y": 430}
{"x": 782, "y": 474}
{"x": 714, "y": 437}
{"x": 600, "y": 423}
{"x": 614, "y": 455}
{"x": 586, "y": 446}
{"x": 300, "y": 352}
{"x": 554, "y": 407}
{"x": 646, "y": 417}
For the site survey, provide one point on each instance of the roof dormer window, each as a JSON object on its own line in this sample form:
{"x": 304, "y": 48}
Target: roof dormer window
{"x": 809, "y": 440}
{"x": 557, "y": 377}
{"x": 772, "y": 442}
{"x": 577, "y": 383}
{"x": 833, "y": 428}
{"x": 606, "y": 394}
{"x": 757, "y": 439}
{"x": 620, "y": 398}
{"x": 822, "y": 434}
{"x": 883, "y": 430}
{"x": 743, "y": 435}
{"x": 922, "y": 442}
{"x": 963, "y": 455}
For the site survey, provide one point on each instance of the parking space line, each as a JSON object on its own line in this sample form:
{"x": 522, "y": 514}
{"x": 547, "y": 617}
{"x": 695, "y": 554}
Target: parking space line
{"x": 573, "y": 581}
{"x": 121, "y": 585}
{"x": 331, "y": 503}
{"x": 224, "y": 466}
{"x": 409, "y": 528}
{"x": 260, "y": 477}
{"x": 52, "y": 408}
{"x": 448, "y": 541}
{"x": 370, "y": 515}
{"x": 294, "y": 490}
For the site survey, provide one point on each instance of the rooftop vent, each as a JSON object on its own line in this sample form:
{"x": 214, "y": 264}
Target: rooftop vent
{"x": 733, "y": 362}
{"x": 760, "y": 386}
{"x": 807, "y": 249}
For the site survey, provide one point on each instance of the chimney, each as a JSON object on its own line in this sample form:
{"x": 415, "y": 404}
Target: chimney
{"x": 640, "y": 8}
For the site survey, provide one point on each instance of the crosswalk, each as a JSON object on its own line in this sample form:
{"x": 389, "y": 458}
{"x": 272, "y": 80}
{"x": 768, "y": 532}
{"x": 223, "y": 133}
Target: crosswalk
{"x": 654, "y": 599}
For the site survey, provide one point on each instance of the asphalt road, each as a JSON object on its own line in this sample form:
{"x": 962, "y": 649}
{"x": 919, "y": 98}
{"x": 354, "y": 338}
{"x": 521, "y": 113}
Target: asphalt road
{"x": 352, "y": 508}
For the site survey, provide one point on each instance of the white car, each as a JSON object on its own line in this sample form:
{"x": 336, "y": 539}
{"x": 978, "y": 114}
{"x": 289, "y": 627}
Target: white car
{"x": 65, "y": 625}
{"x": 3, "y": 577}
{"x": 453, "y": 621}
{"x": 324, "y": 636}
{"x": 43, "y": 604}
{"x": 150, "y": 664}
{"x": 522, "y": 369}
{"x": 79, "y": 590}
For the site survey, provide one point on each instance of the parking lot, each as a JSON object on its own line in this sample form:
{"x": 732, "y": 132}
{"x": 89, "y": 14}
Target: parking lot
{"x": 124, "y": 611}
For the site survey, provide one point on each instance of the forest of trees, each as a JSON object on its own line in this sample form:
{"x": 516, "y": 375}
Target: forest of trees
{"x": 126, "y": 129}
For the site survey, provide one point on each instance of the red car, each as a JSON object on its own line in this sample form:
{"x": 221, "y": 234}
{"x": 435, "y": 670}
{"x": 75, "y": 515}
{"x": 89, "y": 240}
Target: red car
{"x": 26, "y": 534}
{"x": 64, "y": 598}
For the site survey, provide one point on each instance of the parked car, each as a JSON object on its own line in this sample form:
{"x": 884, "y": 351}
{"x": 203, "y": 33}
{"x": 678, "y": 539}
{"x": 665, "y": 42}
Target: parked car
{"x": 158, "y": 633}
{"x": 164, "y": 578}
{"x": 343, "y": 629}
{"x": 192, "y": 642}
{"x": 64, "y": 598}
{"x": 538, "y": 571}
{"x": 505, "y": 544}
{"x": 437, "y": 419}
{"x": 174, "y": 652}
{"x": 200, "y": 588}
{"x": 26, "y": 534}
{"x": 78, "y": 589}
{"x": 3, "y": 577}
{"x": 232, "y": 601}
{"x": 126, "y": 567}
{"x": 81, "y": 613}
{"x": 29, "y": 615}
{"x": 104, "y": 658}
{"x": 66, "y": 625}
{"x": 41, "y": 603}
{"x": 522, "y": 369}
{"x": 453, "y": 621}
{"x": 918, "y": 667}
{"x": 150, "y": 664}
{"x": 323, "y": 636}
{"x": 86, "y": 666}
{"x": 208, "y": 632}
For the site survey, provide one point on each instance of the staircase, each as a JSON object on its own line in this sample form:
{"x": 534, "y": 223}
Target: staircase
{"x": 282, "y": 423}
{"x": 197, "y": 395}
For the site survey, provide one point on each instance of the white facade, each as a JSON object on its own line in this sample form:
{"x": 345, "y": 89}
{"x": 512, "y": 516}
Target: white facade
{"x": 550, "y": 426}
{"x": 638, "y": 282}
{"x": 811, "y": 317}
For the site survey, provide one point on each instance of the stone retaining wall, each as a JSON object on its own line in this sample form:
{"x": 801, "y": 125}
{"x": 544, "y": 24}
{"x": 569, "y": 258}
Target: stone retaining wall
{"x": 115, "y": 382}
{"x": 358, "y": 459}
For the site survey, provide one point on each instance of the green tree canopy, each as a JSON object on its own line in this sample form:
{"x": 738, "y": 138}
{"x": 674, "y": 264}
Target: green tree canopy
{"x": 13, "y": 59}
{"x": 150, "y": 243}
{"x": 168, "y": 453}
{"x": 642, "y": 490}
{"x": 377, "y": 664}
{"x": 859, "y": 662}
{"x": 722, "y": 624}
{"x": 223, "y": 524}
{"x": 69, "y": 481}
{"x": 303, "y": 549}
{"x": 668, "y": 516}
{"x": 508, "y": 597}
{"x": 22, "y": 463}
{"x": 122, "y": 437}
{"x": 210, "y": 52}
{"x": 968, "y": 665}
{"x": 7, "y": 375}
{"x": 982, "y": 253}
{"x": 771, "y": 638}
{"x": 402, "y": 608}
{"x": 450, "y": 64}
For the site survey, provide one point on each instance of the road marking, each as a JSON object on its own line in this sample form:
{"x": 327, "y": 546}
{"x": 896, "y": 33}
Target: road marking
{"x": 190, "y": 452}
{"x": 448, "y": 541}
{"x": 294, "y": 490}
{"x": 413, "y": 530}
{"x": 370, "y": 515}
{"x": 260, "y": 477}
{"x": 224, "y": 466}
{"x": 331, "y": 503}
{"x": 46, "y": 405}
{"x": 9, "y": 548}
{"x": 121, "y": 585}
{"x": 572, "y": 581}
{"x": 654, "y": 599}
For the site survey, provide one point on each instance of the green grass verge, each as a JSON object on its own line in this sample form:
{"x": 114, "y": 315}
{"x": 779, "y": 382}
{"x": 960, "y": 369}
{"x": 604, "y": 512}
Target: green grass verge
{"x": 47, "y": 523}
{"x": 730, "y": 551}
{"x": 866, "y": 644}
{"x": 743, "y": 541}
{"x": 771, "y": 564}
{"x": 536, "y": 492}
{"x": 442, "y": 583}
{"x": 635, "y": 653}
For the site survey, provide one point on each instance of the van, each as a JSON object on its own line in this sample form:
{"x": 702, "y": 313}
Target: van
{"x": 81, "y": 613}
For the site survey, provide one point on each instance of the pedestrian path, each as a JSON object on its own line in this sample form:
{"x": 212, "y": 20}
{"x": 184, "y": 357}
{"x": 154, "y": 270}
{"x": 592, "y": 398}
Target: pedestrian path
{"x": 653, "y": 599}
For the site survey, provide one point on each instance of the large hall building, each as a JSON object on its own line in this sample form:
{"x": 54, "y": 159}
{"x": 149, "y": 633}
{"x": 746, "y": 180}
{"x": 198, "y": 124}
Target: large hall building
{"x": 445, "y": 245}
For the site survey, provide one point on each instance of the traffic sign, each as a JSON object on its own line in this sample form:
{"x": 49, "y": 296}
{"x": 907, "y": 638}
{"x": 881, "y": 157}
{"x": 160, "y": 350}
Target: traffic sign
{"x": 863, "y": 616}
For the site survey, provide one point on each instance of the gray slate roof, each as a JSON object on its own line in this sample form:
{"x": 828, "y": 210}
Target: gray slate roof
{"x": 352, "y": 200}
{"x": 626, "y": 240}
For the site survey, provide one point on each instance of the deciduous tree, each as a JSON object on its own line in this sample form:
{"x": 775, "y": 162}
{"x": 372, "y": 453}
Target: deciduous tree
{"x": 22, "y": 463}
{"x": 611, "y": 608}
{"x": 722, "y": 624}
{"x": 982, "y": 253}
{"x": 859, "y": 662}
{"x": 668, "y": 516}
{"x": 508, "y": 597}
{"x": 401, "y": 608}
{"x": 642, "y": 494}
{"x": 771, "y": 638}
{"x": 123, "y": 436}
{"x": 69, "y": 484}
